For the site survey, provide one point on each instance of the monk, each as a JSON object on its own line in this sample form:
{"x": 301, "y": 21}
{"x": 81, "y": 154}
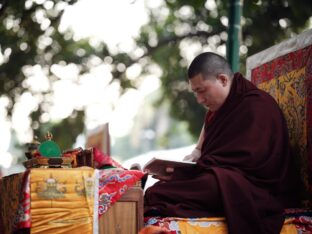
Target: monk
{"x": 243, "y": 169}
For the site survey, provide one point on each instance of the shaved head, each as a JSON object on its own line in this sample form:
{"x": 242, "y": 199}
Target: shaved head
{"x": 209, "y": 64}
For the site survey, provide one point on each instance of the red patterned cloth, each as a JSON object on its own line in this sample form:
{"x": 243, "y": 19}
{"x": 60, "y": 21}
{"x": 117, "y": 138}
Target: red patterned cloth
{"x": 113, "y": 183}
{"x": 23, "y": 213}
{"x": 101, "y": 159}
{"x": 301, "y": 218}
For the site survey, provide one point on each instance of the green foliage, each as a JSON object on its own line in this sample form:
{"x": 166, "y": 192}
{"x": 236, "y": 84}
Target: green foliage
{"x": 263, "y": 25}
{"x": 30, "y": 36}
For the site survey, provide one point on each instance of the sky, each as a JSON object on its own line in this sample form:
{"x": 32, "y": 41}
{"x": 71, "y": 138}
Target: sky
{"x": 116, "y": 23}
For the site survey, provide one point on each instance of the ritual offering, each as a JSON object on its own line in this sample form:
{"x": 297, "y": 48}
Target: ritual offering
{"x": 46, "y": 155}
{"x": 49, "y": 148}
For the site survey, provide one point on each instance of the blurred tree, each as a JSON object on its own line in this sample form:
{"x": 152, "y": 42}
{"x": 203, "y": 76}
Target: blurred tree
{"x": 31, "y": 39}
{"x": 64, "y": 131}
{"x": 176, "y": 28}
{"x": 31, "y": 42}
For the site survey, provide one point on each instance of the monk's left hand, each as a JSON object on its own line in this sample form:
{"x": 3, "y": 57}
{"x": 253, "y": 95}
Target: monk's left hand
{"x": 167, "y": 176}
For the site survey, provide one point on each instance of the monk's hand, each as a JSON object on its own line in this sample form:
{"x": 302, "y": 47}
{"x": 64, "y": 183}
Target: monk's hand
{"x": 167, "y": 176}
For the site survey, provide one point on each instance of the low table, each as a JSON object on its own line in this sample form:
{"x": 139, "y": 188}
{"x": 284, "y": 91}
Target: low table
{"x": 126, "y": 215}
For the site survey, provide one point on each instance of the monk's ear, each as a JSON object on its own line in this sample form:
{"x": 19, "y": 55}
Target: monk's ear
{"x": 223, "y": 79}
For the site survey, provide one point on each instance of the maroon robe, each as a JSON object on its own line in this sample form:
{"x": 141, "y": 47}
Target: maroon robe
{"x": 244, "y": 170}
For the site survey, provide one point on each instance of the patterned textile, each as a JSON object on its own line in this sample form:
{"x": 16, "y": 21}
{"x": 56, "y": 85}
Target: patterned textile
{"x": 102, "y": 160}
{"x": 301, "y": 218}
{"x": 288, "y": 79}
{"x": 113, "y": 183}
{"x": 10, "y": 190}
{"x": 23, "y": 213}
{"x": 62, "y": 200}
{"x": 296, "y": 222}
{"x": 191, "y": 225}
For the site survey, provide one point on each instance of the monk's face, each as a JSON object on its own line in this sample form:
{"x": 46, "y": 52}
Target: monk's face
{"x": 211, "y": 92}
